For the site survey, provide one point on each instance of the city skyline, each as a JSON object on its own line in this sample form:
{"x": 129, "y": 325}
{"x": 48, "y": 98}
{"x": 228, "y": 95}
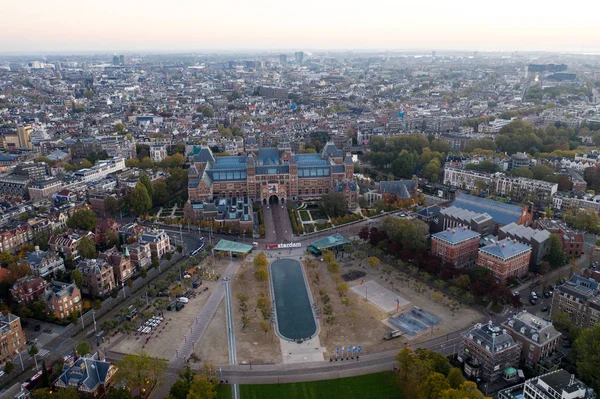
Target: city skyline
{"x": 267, "y": 25}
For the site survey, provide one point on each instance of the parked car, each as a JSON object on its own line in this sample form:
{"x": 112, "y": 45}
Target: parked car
{"x": 48, "y": 330}
{"x": 183, "y": 299}
{"x": 533, "y": 301}
{"x": 546, "y": 308}
{"x": 179, "y": 306}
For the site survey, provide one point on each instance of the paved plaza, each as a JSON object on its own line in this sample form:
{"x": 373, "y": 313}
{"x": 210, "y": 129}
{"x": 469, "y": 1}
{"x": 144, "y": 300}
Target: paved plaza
{"x": 381, "y": 297}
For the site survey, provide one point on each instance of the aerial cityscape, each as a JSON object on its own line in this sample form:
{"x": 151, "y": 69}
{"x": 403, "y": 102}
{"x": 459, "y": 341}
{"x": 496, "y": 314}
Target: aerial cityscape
{"x": 285, "y": 217}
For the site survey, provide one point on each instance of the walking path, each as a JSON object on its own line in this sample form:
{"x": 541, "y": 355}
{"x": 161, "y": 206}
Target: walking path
{"x": 235, "y": 389}
{"x": 186, "y": 348}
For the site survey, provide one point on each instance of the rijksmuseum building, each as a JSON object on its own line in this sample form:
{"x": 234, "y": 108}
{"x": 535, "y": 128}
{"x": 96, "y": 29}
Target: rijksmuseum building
{"x": 265, "y": 175}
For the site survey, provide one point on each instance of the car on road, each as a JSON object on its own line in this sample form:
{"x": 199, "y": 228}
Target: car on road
{"x": 183, "y": 300}
{"x": 548, "y": 293}
{"x": 546, "y": 308}
{"x": 48, "y": 330}
{"x": 516, "y": 293}
{"x": 2, "y": 373}
{"x": 533, "y": 301}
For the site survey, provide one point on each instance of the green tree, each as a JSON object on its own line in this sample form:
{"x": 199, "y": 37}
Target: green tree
{"x": 432, "y": 170}
{"x": 6, "y": 258}
{"x": 77, "y": 277}
{"x": 201, "y": 388}
{"x": 148, "y": 184}
{"x": 60, "y": 393}
{"x": 139, "y": 200}
{"x": 455, "y": 378}
{"x": 334, "y": 204}
{"x": 85, "y": 164}
{"x": 260, "y": 260}
{"x": 181, "y": 387}
{"x": 83, "y": 219}
{"x": 433, "y": 386}
{"x": 83, "y": 348}
{"x": 556, "y": 256}
{"x": 588, "y": 356}
{"x": 9, "y": 367}
{"x": 161, "y": 193}
{"x": 86, "y": 248}
{"x": 140, "y": 372}
{"x": 119, "y": 393}
{"x": 333, "y": 267}
{"x": 111, "y": 205}
{"x": 463, "y": 281}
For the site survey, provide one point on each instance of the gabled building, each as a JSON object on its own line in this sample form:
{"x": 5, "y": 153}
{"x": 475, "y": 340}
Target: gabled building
{"x": 98, "y": 277}
{"x": 120, "y": 262}
{"x": 140, "y": 255}
{"x": 158, "y": 240}
{"x": 28, "y": 289}
{"x": 538, "y": 337}
{"x": 90, "y": 376}
{"x": 45, "y": 263}
{"x": 62, "y": 299}
{"x": 66, "y": 244}
{"x": 580, "y": 299}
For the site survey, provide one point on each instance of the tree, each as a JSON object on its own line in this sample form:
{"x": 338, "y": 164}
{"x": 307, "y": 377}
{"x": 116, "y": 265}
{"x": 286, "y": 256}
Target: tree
{"x": 432, "y": 170}
{"x": 342, "y": 289}
{"x": 139, "y": 200}
{"x": 19, "y": 269}
{"x": 374, "y": 262}
{"x": 181, "y": 387}
{"x": 140, "y": 372}
{"x": 9, "y": 367}
{"x": 148, "y": 184}
{"x": 264, "y": 326}
{"x": 261, "y": 274}
{"x": 60, "y": 393}
{"x": 328, "y": 256}
{"x": 201, "y": 388}
{"x": 6, "y": 258}
{"x": 564, "y": 324}
{"x": 111, "y": 205}
{"x": 455, "y": 378}
{"x": 334, "y": 204}
{"x": 556, "y": 256}
{"x": 33, "y": 350}
{"x": 260, "y": 260}
{"x": 86, "y": 248}
{"x": 83, "y": 348}
{"x": 588, "y": 356}
{"x": 161, "y": 193}
{"x": 86, "y": 164}
{"x": 119, "y": 393}
{"x": 333, "y": 267}
{"x": 83, "y": 219}
{"x": 463, "y": 281}
{"x": 433, "y": 386}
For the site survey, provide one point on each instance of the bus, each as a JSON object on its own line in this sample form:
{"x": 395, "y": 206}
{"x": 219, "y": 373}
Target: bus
{"x": 199, "y": 249}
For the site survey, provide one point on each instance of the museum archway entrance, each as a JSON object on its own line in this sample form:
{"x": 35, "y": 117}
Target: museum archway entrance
{"x": 273, "y": 199}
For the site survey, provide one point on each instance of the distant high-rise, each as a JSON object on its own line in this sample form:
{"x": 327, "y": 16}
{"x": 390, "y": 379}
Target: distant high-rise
{"x": 122, "y": 59}
{"x": 299, "y": 57}
{"x": 283, "y": 59}
{"x": 115, "y": 59}
{"x": 118, "y": 59}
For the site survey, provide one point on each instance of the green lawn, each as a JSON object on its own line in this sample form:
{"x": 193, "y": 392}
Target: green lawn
{"x": 223, "y": 392}
{"x": 371, "y": 386}
{"x": 304, "y": 215}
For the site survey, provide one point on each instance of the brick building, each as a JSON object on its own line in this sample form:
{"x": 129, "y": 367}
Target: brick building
{"x": 269, "y": 174}
{"x": 158, "y": 241}
{"x": 140, "y": 255}
{"x": 62, "y": 299}
{"x": 457, "y": 246}
{"x": 28, "y": 289}
{"x": 489, "y": 353}
{"x": 12, "y": 339}
{"x": 98, "y": 277}
{"x": 572, "y": 242}
{"x": 121, "y": 264}
{"x": 580, "y": 299}
{"x": 505, "y": 258}
{"x": 538, "y": 337}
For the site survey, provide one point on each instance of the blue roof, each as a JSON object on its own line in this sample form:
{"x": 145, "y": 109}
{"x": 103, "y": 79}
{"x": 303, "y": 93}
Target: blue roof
{"x": 505, "y": 248}
{"x": 230, "y": 163}
{"x": 586, "y": 282}
{"x": 310, "y": 160}
{"x": 330, "y": 241}
{"x": 501, "y": 213}
{"x": 456, "y": 235}
{"x": 268, "y": 156}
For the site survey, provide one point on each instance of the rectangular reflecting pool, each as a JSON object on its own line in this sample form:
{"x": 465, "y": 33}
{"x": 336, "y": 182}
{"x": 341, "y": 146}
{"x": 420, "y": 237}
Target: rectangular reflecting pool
{"x": 294, "y": 316}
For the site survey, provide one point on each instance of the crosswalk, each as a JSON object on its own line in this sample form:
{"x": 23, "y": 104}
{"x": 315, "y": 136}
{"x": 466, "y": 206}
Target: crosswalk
{"x": 43, "y": 352}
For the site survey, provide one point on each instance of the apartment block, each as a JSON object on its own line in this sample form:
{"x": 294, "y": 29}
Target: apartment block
{"x": 558, "y": 384}
{"x": 580, "y": 299}
{"x": 506, "y": 258}
{"x": 457, "y": 246}
{"x": 12, "y": 338}
{"x": 63, "y": 299}
{"x": 98, "y": 277}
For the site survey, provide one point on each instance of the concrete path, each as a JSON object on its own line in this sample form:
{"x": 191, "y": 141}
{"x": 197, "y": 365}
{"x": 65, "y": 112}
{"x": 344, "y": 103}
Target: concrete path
{"x": 235, "y": 388}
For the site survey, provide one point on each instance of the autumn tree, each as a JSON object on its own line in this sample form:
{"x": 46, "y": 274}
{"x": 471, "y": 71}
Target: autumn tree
{"x": 373, "y": 262}
{"x": 86, "y": 248}
{"x": 140, "y": 372}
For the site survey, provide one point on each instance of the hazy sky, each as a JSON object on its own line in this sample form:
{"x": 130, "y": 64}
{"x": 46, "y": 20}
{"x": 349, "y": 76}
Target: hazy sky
{"x": 181, "y": 25}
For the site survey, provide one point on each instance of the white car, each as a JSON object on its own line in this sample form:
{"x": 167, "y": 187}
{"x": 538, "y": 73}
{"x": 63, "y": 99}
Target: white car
{"x": 183, "y": 300}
